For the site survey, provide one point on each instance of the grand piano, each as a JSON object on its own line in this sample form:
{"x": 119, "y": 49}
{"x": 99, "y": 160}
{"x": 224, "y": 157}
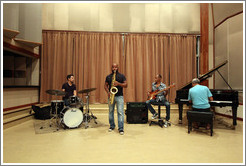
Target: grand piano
{"x": 222, "y": 97}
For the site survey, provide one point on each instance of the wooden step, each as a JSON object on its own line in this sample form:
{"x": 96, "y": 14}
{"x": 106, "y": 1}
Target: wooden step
{"x": 16, "y": 110}
{"x": 20, "y": 115}
{"x": 13, "y": 118}
{"x": 17, "y": 113}
{"x": 10, "y": 122}
{"x": 24, "y": 108}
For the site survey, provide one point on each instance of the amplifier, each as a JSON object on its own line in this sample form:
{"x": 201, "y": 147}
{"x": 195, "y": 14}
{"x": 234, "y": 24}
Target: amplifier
{"x": 136, "y": 112}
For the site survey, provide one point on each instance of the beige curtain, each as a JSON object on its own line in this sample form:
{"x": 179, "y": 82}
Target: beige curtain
{"x": 172, "y": 56}
{"x": 94, "y": 55}
{"x": 89, "y": 57}
{"x": 146, "y": 56}
{"x": 56, "y": 61}
{"x": 182, "y": 61}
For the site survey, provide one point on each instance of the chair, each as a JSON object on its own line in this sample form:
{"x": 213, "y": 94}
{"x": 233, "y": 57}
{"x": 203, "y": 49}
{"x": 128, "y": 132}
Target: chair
{"x": 160, "y": 121}
{"x": 204, "y": 117}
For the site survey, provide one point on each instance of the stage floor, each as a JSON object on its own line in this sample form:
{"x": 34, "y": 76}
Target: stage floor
{"x": 140, "y": 143}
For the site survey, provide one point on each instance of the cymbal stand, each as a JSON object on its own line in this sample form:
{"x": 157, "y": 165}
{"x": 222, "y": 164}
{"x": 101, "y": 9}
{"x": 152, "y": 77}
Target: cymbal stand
{"x": 87, "y": 116}
{"x": 56, "y": 116}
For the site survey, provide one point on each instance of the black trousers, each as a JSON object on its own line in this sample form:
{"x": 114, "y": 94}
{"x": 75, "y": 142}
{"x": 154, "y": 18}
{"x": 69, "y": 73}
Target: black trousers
{"x": 201, "y": 110}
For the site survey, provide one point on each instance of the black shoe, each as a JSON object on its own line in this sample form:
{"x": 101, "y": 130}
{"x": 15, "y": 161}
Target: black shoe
{"x": 121, "y": 132}
{"x": 110, "y": 129}
{"x": 154, "y": 116}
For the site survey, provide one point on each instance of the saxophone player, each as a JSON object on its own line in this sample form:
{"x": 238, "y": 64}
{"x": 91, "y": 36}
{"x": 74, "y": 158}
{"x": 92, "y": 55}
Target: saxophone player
{"x": 114, "y": 84}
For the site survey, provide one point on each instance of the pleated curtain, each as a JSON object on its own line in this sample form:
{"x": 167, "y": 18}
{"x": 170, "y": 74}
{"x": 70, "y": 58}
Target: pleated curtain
{"x": 89, "y": 56}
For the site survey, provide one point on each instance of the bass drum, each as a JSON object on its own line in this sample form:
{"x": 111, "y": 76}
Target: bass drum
{"x": 71, "y": 117}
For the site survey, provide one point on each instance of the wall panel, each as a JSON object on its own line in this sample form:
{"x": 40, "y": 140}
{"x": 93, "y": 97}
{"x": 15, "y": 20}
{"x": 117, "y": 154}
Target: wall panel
{"x": 11, "y": 12}
{"x": 19, "y": 96}
{"x": 30, "y": 22}
{"x": 221, "y": 54}
{"x": 235, "y": 51}
{"x": 123, "y": 17}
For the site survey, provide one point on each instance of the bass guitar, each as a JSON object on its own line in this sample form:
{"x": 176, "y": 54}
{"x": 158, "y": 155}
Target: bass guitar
{"x": 153, "y": 94}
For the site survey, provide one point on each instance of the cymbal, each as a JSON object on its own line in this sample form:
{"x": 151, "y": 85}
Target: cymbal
{"x": 87, "y": 90}
{"x": 56, "y": 92}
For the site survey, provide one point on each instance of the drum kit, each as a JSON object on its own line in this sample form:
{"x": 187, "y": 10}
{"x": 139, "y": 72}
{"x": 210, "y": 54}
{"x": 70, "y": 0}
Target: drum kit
{"x": 70, "y": 116}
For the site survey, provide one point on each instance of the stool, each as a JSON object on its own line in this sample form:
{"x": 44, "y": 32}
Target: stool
{"x": 160, "y": 120}
{"x": 196, "y": 116}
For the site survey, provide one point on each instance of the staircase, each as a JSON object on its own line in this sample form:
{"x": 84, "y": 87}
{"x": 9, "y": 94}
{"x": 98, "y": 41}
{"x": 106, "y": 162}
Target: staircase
{"x": 19, "y": 115}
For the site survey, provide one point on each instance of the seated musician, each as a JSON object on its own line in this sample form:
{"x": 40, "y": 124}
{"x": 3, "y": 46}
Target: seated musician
{"x": 200, "y": 96}
{"x": 161, "y": 97}
{"x": 70, "y": 88}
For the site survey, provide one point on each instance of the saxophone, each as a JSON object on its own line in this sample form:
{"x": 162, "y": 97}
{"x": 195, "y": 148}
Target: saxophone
{"x": 113, "y": 89}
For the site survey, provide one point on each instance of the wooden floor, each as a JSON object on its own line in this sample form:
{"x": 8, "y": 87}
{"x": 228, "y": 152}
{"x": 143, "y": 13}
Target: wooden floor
{"x": 141, "y": 143}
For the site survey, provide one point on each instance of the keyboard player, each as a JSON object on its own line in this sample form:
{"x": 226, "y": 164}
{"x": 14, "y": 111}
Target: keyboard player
{"x": 199, "y": 96}
{"x": 221, "y": 97}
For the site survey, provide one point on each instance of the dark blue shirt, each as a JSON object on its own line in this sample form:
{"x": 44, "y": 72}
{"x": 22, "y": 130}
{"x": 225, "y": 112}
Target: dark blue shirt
{"x": 69, "y": 89}
{"x": 120, "y": 78}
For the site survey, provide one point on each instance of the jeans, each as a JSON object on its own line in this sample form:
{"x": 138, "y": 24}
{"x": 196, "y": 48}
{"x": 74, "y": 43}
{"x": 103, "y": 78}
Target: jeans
{"x": 152, "y": 101}
{"x": 119, "y": 100}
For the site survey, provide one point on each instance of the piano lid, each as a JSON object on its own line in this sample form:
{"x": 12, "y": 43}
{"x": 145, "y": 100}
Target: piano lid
{"x": 204, "y": 76}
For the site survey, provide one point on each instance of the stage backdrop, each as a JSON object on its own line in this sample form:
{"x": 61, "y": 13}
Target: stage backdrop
{"x": 89, "y": 56}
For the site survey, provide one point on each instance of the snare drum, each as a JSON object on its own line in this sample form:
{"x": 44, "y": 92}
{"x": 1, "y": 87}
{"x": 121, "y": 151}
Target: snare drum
{"x": 60, "y": 106}
{"x": 73, "y": 100}
{"x": 71, "y": 117}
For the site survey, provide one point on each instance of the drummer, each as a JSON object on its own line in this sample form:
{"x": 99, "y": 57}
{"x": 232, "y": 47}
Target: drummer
{"x": 70, "y": 88}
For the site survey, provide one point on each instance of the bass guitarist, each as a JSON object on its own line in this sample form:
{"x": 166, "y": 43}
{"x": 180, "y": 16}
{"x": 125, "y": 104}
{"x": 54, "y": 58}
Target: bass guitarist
{"x": 160, "y": 97}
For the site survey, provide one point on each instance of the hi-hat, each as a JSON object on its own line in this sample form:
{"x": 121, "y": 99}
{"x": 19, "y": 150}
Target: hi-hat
{"x": 56, "y": 92}
{"x": 87, "y": 90}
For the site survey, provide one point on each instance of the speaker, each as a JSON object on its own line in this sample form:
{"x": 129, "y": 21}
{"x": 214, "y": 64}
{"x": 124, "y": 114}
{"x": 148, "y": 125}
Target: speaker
{"x": 136, "y": 112}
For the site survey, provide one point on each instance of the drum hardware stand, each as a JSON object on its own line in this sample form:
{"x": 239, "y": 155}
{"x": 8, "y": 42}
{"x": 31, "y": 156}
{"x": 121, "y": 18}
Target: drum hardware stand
{"x": 56, "y": 117}
{"x": 56, "y": 93}
{"x": 87, "y": 116}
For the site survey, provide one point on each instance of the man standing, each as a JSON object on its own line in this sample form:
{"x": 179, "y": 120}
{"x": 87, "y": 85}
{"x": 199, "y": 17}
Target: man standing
{"x": 199, "y": 96}
{"x": 70, "y": 88}
{"x": 158, "y": 85}
{"x": 119, "y": 83}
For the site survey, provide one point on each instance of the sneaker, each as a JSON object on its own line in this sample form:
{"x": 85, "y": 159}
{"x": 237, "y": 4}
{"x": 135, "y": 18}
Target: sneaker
{"x": 110, "y": 129}
{"x": 154, "y": 116}
{"x": 121, "y": 132}
{"x": 165, "y": 124}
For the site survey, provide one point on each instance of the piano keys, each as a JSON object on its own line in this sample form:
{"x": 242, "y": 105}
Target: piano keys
{"x": 222, "y": 97}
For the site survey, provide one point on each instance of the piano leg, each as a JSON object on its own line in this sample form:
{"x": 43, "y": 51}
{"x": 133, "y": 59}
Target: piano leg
{"x": 234, "y": 115}
{"x": 180, "y": 113}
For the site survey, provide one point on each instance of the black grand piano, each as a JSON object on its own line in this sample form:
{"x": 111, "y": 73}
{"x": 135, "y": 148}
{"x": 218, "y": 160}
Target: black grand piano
{"x": 222, "y": 97}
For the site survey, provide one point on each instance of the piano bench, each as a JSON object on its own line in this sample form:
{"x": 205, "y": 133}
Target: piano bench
{"x": 204, "y": 117}
{"x": 160, "y": 121}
